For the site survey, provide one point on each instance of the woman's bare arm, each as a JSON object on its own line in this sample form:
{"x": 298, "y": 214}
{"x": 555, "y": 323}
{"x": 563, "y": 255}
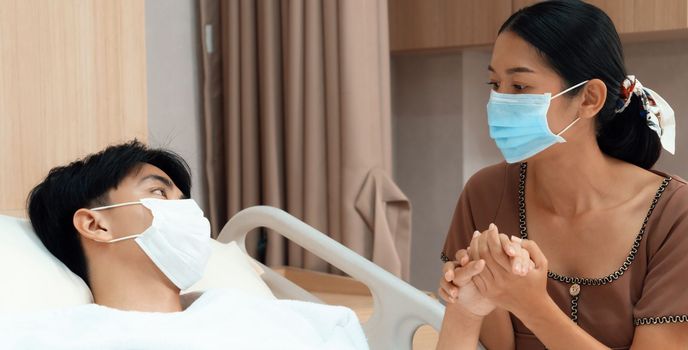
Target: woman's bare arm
{"x": 460, "y": 329}
{"x": 497, "y": 332}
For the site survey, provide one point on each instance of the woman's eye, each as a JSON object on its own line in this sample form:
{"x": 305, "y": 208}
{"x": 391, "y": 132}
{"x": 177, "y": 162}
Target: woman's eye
{"x": 494, "y": 84}
{"x": 519, "y": 87}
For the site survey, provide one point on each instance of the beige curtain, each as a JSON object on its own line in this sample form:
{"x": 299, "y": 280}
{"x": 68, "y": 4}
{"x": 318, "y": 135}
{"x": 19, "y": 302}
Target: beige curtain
{"x": 297, "y": 116}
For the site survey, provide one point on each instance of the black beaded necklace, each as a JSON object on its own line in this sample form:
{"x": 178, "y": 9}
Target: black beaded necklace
{"x": 577, "y": 282}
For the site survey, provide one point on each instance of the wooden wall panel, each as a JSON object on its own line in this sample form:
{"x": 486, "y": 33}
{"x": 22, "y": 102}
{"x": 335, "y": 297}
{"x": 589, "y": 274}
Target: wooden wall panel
{"x": 72, "y": 80}
{"x": 638, "y": 16}
{"x": 417, "y": 25}
{"x": 442, "y": 24}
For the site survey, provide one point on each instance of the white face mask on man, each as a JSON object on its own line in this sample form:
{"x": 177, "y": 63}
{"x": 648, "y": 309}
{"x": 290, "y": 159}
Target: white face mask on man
{"x": 178, "y": 240}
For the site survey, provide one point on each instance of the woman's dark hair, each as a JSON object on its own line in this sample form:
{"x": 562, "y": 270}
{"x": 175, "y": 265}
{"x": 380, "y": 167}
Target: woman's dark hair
{"x": 580, "y": 42}
{"x": 84, "y": 183}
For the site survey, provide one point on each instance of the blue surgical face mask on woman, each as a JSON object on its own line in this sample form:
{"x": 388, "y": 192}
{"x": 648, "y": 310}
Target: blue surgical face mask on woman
{"x": 518, "y": 123}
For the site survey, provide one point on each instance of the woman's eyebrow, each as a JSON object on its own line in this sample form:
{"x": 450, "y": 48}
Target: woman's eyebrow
{"x": 514, "y": 70}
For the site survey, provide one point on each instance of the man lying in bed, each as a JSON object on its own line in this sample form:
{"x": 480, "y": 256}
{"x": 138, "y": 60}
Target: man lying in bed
{"x": 122, "y": 221}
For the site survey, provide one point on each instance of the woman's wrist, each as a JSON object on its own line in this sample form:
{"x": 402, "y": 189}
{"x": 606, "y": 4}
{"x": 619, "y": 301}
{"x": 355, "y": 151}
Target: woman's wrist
{"x": 462, "y": 314}
{"x": 533, "y": 305}
{"x": 539, "y": 312}
{"x": 460, "y": 328}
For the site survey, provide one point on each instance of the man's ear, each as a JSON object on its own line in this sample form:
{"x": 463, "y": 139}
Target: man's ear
{"x": 594, "y": 97}
{"x": 92, "y": 225}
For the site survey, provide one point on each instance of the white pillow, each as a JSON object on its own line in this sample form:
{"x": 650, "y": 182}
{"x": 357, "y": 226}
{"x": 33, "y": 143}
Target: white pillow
{"x": 33, "y": 279}
{"x": 230, "y": 267}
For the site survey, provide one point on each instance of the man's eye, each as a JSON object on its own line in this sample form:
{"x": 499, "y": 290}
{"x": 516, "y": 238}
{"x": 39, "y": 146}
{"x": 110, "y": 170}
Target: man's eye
{"x": 159, "y": 192}
{"x": 519, "y": 87}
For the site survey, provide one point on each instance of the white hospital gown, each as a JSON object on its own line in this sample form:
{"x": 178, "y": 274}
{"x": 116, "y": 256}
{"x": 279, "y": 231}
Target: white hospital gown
{"x": 219, "y": 319}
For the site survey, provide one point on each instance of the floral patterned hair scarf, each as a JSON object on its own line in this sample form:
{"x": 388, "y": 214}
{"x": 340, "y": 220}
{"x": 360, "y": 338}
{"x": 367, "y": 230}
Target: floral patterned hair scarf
{"x": 654, "y": 109}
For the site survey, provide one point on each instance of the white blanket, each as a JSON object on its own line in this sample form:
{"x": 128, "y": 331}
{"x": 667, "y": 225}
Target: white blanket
{"x": 219, "y": 319}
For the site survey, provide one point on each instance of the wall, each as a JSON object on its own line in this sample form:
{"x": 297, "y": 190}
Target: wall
{"x": 441, "y": 136}
{"x": 426, "y": 95}
{"x": 479, "y": 150}
{"x": 72, "y": 81}
{"x": 663, "y": 67}
{"x": 174, "y": 101}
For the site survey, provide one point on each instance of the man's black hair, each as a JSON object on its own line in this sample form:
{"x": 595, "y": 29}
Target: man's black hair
{"x": 84, "y": 184}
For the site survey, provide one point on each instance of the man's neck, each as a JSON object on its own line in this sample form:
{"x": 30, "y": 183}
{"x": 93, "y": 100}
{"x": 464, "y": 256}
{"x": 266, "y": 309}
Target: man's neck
{"x": 134, "y": 291}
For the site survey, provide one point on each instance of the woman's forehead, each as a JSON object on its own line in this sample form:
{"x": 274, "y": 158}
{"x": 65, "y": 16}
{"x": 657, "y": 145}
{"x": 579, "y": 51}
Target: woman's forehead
{"x": 513, "y": 54}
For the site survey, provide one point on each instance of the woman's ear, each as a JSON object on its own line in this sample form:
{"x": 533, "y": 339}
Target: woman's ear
{"x": 92, "y": 225}
{"x": 594, "y": 96}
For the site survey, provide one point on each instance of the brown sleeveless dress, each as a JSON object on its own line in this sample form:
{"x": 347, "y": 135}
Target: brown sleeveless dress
{"x": 649, "y": 287}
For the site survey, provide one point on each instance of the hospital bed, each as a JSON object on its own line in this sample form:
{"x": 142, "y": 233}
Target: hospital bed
{"x": 399, "y": 309}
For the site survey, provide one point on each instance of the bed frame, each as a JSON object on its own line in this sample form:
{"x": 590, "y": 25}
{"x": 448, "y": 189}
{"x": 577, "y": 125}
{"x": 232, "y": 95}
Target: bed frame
{"x": 399, "y": 309}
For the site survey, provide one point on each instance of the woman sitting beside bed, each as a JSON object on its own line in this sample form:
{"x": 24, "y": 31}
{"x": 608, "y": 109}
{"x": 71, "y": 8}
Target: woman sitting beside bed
{"x": 122, "y": 220}
{"x": 594, "y": 244}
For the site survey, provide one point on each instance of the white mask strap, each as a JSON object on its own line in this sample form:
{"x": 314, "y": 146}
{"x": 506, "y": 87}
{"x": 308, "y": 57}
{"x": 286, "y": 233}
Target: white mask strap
{"x": 569, "y": 89}
{"x": 119, "y": 239}
{"x": 116, "y": 205}
{"x": 569, "y": 127}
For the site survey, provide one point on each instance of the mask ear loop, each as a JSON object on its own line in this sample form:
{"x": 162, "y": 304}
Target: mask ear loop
{"x": 117, "y": 239}
{"x": 116, "y": 206}
{"x": 563, "y": 92}
{"x": 569, "y": 89}
{"x": 569, "y": 127}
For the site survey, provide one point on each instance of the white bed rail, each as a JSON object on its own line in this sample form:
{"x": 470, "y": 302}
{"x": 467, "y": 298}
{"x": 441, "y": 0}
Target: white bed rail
{"x": 399, "y": 308}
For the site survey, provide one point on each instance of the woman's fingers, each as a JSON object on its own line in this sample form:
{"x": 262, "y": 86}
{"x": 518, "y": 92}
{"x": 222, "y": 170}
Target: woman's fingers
{"x": 448, "y": 270}
{"x": 473, "y": 252}
{"x": 449, "y": 290}
{"x": 463, "y": 275}
{"x": 494, "y": 245}
{"x": 445, "y": 296}
{"x": 492, "y": 269}
{"x": 461, "y": 257}
{"x": 515, "y": 252}
{"x": 526, "y": 263}
{"x": 535, "y": 253}
{"x": 510, "y": 248}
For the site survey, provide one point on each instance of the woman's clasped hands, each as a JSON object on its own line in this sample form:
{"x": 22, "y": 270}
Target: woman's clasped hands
{"x": 495, "y": 271}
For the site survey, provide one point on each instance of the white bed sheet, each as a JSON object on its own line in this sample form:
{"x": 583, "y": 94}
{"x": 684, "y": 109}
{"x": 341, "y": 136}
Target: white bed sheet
{"x": 218, "y": 319}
